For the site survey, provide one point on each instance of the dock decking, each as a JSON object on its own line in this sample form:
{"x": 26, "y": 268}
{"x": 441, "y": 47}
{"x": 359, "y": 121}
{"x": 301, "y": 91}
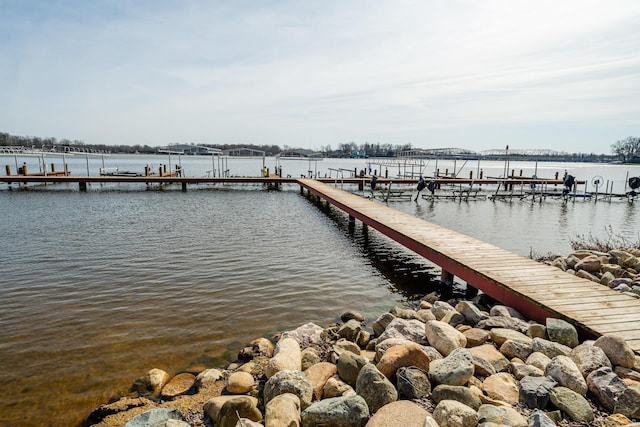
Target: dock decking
{"x": 536, "y": 290}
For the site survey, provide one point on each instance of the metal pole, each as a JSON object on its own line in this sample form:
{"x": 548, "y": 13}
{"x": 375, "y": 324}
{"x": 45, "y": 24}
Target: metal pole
{"x": 86, "y": 155}
{"x": 213, "y": 165}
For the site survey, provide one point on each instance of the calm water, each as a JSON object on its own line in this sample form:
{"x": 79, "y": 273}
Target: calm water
{"x": 99, "y": 287}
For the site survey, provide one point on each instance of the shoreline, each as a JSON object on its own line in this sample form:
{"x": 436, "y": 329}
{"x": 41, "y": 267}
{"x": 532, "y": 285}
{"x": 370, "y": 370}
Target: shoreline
{"x": 478, "y": 354}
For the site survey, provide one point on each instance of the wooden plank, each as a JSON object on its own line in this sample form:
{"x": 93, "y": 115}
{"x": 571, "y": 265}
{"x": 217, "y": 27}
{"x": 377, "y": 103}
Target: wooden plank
{"x": 598, "y": 319}
{"x": 580, "y": 300}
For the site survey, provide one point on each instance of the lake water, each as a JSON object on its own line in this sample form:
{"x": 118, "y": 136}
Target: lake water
{"x": 99, "y": 287}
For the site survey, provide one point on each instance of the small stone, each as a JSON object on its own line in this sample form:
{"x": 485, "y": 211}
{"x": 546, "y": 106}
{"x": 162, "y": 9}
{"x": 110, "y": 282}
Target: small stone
{"x": 505, "y": 311}
{"x": 411, "y": 415}
{"x": 152, "y": 382}
{"x": 549, "y": 348}
{"x": 335, "y": 387}
{"x": 318, "y": 375}
{"x": 537, "y": 330}
{"x": 606, "y": 386}
{"x": 398, "y": 356}
{"x": 283, "y": 410}
{"x": 629, "y": 403}
{"x": 295, "y": 382}
{"x": 471, "y": 313}
{"x": 240, "y": 407}
{"x": 444, "y": 337}
{"x": 349, "y": 366}
{"x": 403, "y": 313}
{"x": 262, "y": 347}
{"x": 617, "y": 420}
{"x": 240, "y": 383}
{"x": 535, "y": 391}
{"x": 179, "y": 384}
{"x": 412, "y": 330}
{"x": 566, "y": 373}
{"x": 500, "y": 335}
{"x": 343, "y": 344}
{"x": 572, "y": 403}
{"x": 208, "y": 377}
{"x": 309, "y": 358}
{"x": 458, "y": 393}
{"x": 501, "y": 386}
{"x": 540, "y": 419}
{"x": 381, "y": 323}
{"x": 617, "y": 350}
{"x": 287, "y": 356}
{"x": 476, "y": 337}
{"x": 375, "y": 388}
{"x": 539, "y": 360}
{"x": 488, "y": 353}
{"x": 589, "y": 358}
{"x": 153, "y": 417}
{"x": 521, "y": 370}
{"x": 504, "y": 323}
{"x": 590, "y": 263}
{"x": 455, "y": 369}
{"x": 348, "y": 315}
{"x": 562, "y": 332}
{"x": 500, "y": 416}
{"x": 519, "y": 349}
{"x": 413, "y": 383}
{"x": 440, "y": 308}
{"x": 348, "y": 411}
{"x": 214, "y": 405}
{"x": 449, "y": 413}
{"x": 350, "y": 330}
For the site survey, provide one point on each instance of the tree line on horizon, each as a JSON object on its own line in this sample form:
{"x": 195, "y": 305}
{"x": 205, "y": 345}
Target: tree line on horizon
{"x": 628, "y": 150}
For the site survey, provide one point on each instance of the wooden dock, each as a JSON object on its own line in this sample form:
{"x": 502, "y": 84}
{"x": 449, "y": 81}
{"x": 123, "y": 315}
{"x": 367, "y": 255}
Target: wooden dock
{"x": 537, "y": 290}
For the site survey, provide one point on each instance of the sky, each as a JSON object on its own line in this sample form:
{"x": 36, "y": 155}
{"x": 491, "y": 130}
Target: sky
{"x": 473, "y": 74}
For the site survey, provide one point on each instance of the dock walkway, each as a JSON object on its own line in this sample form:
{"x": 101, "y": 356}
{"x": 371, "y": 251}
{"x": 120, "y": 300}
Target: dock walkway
{"x": 536, "y": 290}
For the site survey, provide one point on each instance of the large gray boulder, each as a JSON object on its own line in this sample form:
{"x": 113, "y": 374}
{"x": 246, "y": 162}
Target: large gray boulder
{"x": 375, "y": 388}
{"x": 606, "y": 386}
{"x": 588, "y": 358}
{"x": 535, "y": 391}
{"x": 444, "y": 337}
{"x": 573, "y": 404}
{"x": 295, "y": 382}
{"x": 345, "y": 411}
{"x": 562, "y": 332}
{"x": 566, "y": 373}
{"x": 455, "y": 369}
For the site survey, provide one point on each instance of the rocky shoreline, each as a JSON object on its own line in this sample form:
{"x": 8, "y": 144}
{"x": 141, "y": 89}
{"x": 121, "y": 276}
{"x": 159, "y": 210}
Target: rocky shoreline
{"x": 440, "y": 363}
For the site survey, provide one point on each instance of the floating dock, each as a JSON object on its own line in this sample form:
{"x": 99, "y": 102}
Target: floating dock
{"x": 537, "y": 290}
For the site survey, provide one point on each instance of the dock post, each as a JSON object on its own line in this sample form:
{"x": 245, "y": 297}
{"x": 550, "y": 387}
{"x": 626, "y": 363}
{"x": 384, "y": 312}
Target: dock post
{"x": 471, "y": 291}
{"x": 7, "y": 169}
{"x": 184, "y": 186}
{"x": 361, "y": 185}
{"x": 82, "y": 185}
{"x": 66, "y": 169}
{"x": 352, "y": 222}
{"x": 446, "y": 278}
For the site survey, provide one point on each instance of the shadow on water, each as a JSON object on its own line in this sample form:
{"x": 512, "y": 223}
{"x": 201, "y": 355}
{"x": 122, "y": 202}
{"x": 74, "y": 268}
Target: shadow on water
{"x": 409, "y": 274}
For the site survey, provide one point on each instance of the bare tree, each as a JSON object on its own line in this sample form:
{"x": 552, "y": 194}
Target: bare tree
{"x": 626, "y": 148}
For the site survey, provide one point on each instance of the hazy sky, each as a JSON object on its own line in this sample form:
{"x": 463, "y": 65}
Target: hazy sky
{"x": 475, "y": 74}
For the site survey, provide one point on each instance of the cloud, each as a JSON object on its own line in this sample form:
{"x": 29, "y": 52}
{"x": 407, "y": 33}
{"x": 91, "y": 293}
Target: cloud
{"x": 312, "y": 74}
